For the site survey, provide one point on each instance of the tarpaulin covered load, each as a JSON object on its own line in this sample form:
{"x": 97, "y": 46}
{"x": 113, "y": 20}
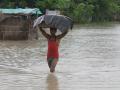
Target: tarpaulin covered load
{"x": 60, "y": 22}
{"x": 21, "y": 11}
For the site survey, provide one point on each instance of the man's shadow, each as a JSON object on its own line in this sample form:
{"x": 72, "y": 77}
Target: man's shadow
{"x": 52, "y": 82}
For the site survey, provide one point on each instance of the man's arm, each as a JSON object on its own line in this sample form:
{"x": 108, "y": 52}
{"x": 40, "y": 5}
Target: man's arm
{"x": 62, "y": 35}
{"x": 44, "y": 33}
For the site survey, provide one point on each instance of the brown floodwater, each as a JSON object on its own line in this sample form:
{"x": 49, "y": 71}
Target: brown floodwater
{"x": 89, "y": 60}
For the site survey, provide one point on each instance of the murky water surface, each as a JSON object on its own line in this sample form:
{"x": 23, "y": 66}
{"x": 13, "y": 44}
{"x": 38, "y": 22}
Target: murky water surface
{"x": 89, "y": 60}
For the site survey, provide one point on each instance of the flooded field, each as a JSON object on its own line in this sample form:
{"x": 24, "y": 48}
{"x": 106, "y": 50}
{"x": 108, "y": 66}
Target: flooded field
{"x": 89, "y": 60}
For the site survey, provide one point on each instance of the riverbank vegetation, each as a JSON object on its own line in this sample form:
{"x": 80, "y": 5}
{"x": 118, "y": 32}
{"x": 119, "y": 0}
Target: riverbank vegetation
{"x": 81, "y": 11}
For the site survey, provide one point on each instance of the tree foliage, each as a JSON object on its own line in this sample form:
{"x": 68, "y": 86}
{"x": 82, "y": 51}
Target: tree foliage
{"x": 79, "y": 10}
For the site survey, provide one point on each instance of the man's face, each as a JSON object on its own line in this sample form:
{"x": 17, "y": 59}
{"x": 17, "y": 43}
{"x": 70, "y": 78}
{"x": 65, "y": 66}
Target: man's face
{"x": 53, "y": 31}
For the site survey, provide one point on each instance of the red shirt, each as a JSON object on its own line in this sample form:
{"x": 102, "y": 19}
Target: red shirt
{"x": 53, "y": 45}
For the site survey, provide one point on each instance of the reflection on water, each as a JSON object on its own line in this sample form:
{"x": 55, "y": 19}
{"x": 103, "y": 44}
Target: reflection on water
{"x": 52, "y": 82}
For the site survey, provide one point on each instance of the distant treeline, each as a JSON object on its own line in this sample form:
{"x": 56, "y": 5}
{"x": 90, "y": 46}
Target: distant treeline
{"x": 82, "y": 11}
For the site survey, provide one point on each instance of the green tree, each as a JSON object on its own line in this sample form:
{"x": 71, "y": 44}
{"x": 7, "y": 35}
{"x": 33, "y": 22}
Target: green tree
{"x": 83, "y": 12}
{"x": 63, "y": 5}
{"x": 46, "y": 4}
{"x": 102, "y": 10}
{"x": 79, "y": 10}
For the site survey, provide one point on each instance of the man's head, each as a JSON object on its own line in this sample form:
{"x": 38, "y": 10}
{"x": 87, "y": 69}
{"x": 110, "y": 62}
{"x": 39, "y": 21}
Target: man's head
{"x": 53, "y": 31}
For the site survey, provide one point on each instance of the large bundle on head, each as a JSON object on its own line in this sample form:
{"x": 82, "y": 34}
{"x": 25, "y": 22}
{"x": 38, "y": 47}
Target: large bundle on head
{"x": 60, "y": 22}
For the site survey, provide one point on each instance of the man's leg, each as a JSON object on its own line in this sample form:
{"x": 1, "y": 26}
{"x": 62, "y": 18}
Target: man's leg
{"x": 53, "y": 65}
{"x": 49, "y": 60}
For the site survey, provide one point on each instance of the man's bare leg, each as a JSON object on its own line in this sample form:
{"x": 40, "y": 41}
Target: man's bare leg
{"x": 53, "y": 65}
{"x": 49, "y": 61}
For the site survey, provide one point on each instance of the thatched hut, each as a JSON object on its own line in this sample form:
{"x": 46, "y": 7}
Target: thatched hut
{"x": 16, "y": 24}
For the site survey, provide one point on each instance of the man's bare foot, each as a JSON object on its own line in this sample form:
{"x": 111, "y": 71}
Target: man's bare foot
{"x": 52, "y": 70}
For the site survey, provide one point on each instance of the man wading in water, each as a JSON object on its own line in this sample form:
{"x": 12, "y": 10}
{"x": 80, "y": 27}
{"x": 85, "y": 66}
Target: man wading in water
{"x": 53, "y": 45}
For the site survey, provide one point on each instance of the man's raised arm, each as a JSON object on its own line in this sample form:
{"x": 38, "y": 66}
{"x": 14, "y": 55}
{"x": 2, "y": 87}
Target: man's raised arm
{"x": 44, "y": 33}
{"x": 62, "y": 35}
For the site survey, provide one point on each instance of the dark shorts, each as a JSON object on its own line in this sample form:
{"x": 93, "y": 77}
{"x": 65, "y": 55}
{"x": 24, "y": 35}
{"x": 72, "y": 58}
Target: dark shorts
{"x": 50, "y": 60}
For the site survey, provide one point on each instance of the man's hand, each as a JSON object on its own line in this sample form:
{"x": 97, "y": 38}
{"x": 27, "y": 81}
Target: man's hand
{"x": 44, "y": 33}
{"x": 62, "y": 35}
